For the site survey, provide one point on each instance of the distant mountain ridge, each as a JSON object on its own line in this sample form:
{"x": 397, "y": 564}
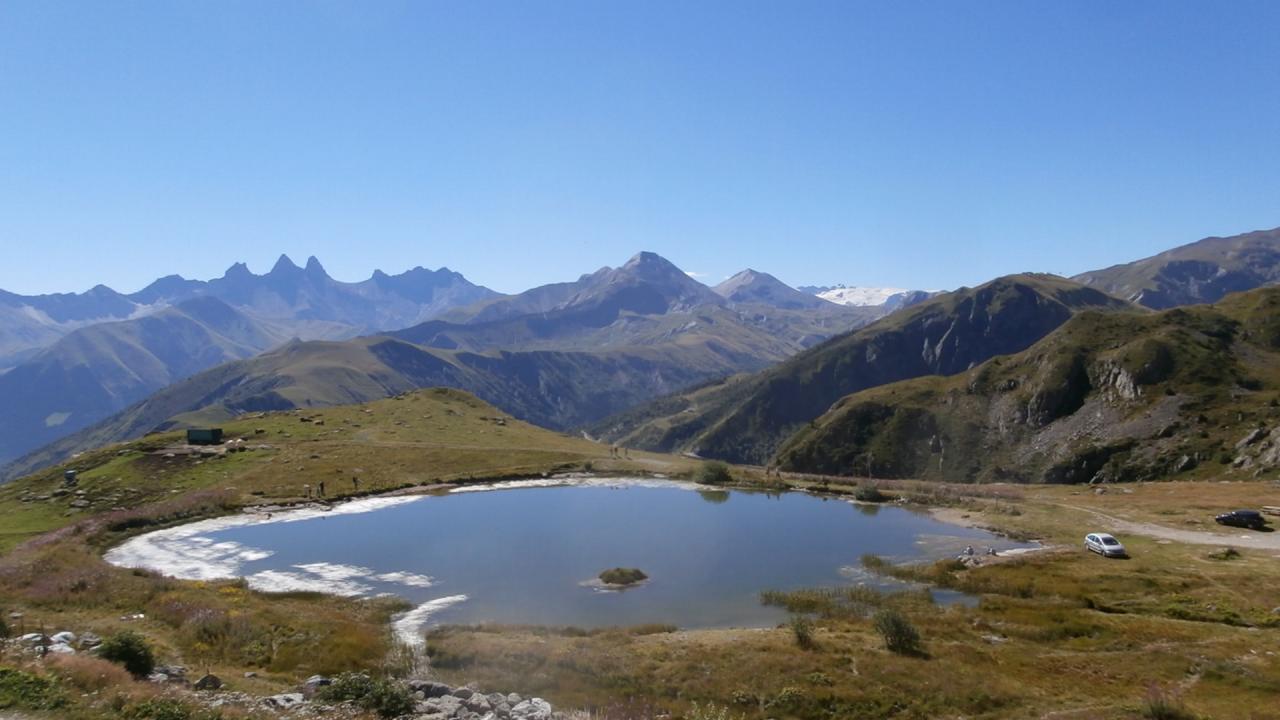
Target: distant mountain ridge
{"x": 312, "y": 303}
{"x": 753, "y": 286}
{"x": 97, "y": 370}
{"x": 1200, "y": 272}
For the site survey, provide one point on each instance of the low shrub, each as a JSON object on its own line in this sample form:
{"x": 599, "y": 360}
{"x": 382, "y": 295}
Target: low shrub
{"x": 709, "y": 712}
{"x": 1162, "y": 704}
{"x": 899, "y": 635}
{"x": 1229, "y": 553}
{"x": 869, "y": 493}
{"x": 713, "y": 473}
{"x": 19, "y": 689}
{"x": 384, "y": 697}
{"x": 168, "y": 709}
{"x": 130, "y": 650}
{"x": 88, "y": 673}
{"x": 802, "y": 629}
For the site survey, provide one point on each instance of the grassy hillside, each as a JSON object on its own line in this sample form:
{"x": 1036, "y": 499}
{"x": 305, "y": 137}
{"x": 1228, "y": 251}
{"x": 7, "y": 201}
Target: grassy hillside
{"x": 1114, "y": 396}
{"x": 552, "y": 389}
{"x": 422, "y": 437}
{"x": 51, "y": 538}
{"x": 746, "y": 419}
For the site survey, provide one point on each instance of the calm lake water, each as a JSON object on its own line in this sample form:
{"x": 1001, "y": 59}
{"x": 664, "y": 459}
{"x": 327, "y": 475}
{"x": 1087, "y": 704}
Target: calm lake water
{"x": 523, "y": 555}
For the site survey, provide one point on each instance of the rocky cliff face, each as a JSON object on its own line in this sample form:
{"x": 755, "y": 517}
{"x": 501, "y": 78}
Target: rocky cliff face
{"x": 1107, "y": 397}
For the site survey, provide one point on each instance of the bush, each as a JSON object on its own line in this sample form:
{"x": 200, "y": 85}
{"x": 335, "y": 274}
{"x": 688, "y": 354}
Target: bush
{"x": 1229, "y": 553}
{"x": 869, "y": 493}
{"x": 899, "y": 635}
{"x": 20, "y": 689}
{"x": 802, "y": 628}
{"x": 1162, "y": 704}
{"x": 87, "y": 673}
{"x": 4, "y": 629}
{"x": 713, "y": 473}
{"x": 384, "y": 697}
{"x": 388, "y": 699}
{"x": 159, "y": 709}
{"x": 130, "y": 650}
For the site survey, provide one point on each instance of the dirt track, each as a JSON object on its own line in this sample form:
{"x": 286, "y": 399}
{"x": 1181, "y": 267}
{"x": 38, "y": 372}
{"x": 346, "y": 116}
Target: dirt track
{"x": 1239, "y": 538}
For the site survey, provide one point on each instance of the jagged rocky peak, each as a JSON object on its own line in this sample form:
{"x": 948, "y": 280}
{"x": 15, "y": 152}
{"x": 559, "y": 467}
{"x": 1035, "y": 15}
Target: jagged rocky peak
{"x": 284, "y": 265}
{"x": 314, "y": 268}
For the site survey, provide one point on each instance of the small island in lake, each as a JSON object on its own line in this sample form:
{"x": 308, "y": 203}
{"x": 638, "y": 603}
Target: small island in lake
{"x": 623, "y": 577}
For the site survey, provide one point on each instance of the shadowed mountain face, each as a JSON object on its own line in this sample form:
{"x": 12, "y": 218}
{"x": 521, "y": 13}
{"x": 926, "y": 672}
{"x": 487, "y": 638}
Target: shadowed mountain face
{"x": 306, "y": 301}
{"x": 1202, "y": 272}
{"x": 745, "y": 419}
{"x": 98, "y": 370}
{"x": 1106, "y": 397}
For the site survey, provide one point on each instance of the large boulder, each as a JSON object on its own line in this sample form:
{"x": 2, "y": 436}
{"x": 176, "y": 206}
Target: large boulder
{"x": 533, "y": 709}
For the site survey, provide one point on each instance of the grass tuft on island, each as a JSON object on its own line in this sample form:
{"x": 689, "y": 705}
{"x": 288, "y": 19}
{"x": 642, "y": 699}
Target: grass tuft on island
{"x": 623, "y": 577}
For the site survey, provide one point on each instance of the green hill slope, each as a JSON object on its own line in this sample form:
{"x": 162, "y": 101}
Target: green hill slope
{"x": 745, "y": 419}
{"x": 553, "y": 389}
{"x": 1108, "y": 396}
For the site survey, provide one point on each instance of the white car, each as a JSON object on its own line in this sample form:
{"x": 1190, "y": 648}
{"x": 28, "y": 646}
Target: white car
{"x": 1104, "y": 545}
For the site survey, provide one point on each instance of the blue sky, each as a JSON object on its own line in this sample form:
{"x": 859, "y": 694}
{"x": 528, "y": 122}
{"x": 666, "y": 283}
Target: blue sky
{"x": 906, "y": 144}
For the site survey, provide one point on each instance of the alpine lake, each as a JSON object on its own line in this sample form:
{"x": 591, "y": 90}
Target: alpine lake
{"x": 516, "y": 553}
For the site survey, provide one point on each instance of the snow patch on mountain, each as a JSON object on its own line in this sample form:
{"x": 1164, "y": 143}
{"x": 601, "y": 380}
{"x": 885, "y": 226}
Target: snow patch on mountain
{"x": 858, "y": 296}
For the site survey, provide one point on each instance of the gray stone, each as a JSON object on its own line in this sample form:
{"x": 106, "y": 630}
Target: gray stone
{"x": 447, "y": 704}
{"x": 209, "y": 682}
{"x": 463, "y": 692}
{"x": 514, "y": 699}
{"x": 251, "y": 674}
{"x": 61, "y": 649}
{"x": 158, "y": 677}
{"x": 430, "y": 689}
{"x": 534, "y": 709}
{"x": 1251, "y": 438}
{"x": 63, "y": 637}
{"x": 477, "y": 703}
{"x": 89, "y": 640}
{"x": 285, "y": 701}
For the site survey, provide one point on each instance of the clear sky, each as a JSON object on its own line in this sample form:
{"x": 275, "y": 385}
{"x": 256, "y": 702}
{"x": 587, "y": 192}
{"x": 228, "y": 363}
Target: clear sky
{"x": 921, "y": 145}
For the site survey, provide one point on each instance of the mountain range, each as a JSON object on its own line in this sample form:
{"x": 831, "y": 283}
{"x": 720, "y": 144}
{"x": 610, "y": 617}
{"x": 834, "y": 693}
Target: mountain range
{"x": 561, "y": 356}
{"x": 641, "y": 354}
{"x": 304, "y": 300}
